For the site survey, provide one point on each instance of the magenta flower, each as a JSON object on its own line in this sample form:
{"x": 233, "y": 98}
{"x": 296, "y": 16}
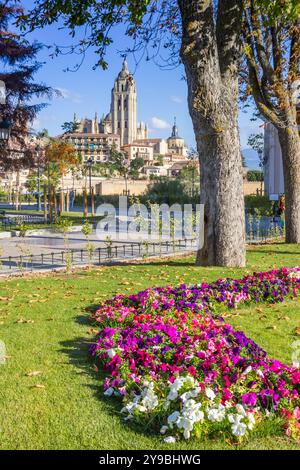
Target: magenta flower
{"x": 249, "y": 399}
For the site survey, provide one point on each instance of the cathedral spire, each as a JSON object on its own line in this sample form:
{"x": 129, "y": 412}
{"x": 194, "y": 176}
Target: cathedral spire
{"x": 174, "y": 129}
{"x": 125, "y": 70}
{"x": 125, "y": 65}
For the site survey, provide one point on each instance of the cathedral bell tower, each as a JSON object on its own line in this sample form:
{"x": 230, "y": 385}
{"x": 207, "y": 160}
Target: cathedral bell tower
{"x": 124, "y": 106}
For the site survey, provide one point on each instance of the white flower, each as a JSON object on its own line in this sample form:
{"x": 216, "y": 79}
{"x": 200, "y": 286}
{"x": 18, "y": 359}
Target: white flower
{"x": 259, "y": 373}
{"x": 185, "y": 423}
{"x": 173, "y": 417}
{"x": 186, "y": 434}
{"x": 177, "y": 384}
{"x": 238, "y": 429}
{"x": 163, "y": 429}
{"x": 170, "y": 440}
{"x": 191, "y": 410}
{"x": 141, "y": 408}
{"x": 294, "y": 274}
{"x": 150, "y": 400}
{"x": 251, "y": 419}
{"x": 210, "y": 393}
{"x": 129, "y": 408}
{"x": 191, "y": 394}
{"x": 240, "y": 409}
{"x": 172, "y": 395}
{"x": 109, "y": 392}
{"x": 111, "y": 353}
{"x": 216, "y": 414}
{"x": 246, "y": 371}
{"x": 234, "y": 418}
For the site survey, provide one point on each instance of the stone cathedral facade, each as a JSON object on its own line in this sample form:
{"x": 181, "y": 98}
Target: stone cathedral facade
{"x": 94, "y": 138}
{"x": 122, "y": 118}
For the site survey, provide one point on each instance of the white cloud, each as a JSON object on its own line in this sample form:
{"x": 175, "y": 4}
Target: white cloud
{"x": 176, "y": 99}
{"x": 69, "y": 95}
{"x": 158, "y": 123}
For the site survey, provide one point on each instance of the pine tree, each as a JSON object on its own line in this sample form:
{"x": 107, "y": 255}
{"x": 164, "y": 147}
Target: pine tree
{"x": 19, "y": 65}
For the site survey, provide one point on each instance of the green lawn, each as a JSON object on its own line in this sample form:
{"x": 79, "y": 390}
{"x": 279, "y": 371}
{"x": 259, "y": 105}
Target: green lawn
{"x": 43, "y": 322}
{"x": 76, "y": 218}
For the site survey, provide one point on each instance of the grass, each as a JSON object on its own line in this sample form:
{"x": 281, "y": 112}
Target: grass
{"x": 76, "y": 218}
{"x": 43, "y": 323}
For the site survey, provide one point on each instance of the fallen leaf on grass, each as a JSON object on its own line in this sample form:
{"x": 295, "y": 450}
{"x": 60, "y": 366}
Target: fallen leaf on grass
{"x": 22, "y": 320}
{"x": 297, "y": 331}
{"x": 37, "y": 386}
{"x": 92, "y": 331}
{"x": 34, "y": 373}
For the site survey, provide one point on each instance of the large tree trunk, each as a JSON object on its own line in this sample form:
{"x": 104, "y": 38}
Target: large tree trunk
{"x": 222, "y": 196}
{"x": 290, "y": 147}
{"x": 212, "y": 76}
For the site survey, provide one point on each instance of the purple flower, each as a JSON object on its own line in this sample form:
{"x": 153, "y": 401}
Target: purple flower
{"x": 249, "y": 399}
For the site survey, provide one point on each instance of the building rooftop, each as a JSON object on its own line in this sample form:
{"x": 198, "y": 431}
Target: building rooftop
{"x": 89, "y": 134}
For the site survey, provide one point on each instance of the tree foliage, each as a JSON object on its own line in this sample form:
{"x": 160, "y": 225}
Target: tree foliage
{"x": 272, "y": 52}
{"x": 18, "y": 57}
{"x": 152, "y": 25}
{"x": 69, "y": 127}
{"x": 62, "y": 155}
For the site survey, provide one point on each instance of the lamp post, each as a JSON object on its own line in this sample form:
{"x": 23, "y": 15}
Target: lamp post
{"x": 90, "y": 164}
{"x": 261, "y": 164}
{"x": 38, "y": 148}
{"x": 4, "y": 123}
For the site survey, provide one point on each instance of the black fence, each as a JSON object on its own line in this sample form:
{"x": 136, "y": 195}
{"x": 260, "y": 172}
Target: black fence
{"x": 264, "y": 229}
{"x": 99, "y": 256}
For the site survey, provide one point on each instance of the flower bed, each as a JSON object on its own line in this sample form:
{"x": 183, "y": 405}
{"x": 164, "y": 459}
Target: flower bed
{"x": 178, "y": 365}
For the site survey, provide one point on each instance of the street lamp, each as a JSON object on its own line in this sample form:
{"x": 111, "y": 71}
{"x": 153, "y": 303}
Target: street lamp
{"x": 89, "y": 165}
{"x": 4, "y": 123}
{"x": 38, "y": 149}
{"x": 261, "y": 164}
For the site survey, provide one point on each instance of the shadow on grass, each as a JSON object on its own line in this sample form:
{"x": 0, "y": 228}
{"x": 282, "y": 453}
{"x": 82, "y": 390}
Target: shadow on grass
{"x": 77, "y": 351}
{"x": 276, "y": 251}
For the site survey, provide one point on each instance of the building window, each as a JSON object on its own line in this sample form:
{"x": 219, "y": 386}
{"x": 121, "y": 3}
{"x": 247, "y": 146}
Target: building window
{"x": 125, "y": 124}
{"x": 119, "y": 125}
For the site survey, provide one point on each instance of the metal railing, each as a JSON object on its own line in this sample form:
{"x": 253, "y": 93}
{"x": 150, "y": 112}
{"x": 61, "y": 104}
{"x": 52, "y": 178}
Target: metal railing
{"x": 99, "y": 256}
{"x": 263, "y": 229}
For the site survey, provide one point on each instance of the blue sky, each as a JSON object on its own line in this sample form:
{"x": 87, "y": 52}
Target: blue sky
{"x": 162, "y": 94}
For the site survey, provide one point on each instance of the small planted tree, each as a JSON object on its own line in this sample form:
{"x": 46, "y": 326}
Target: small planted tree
{"x": 60, "y": 157}
{"x": 120, "y": 164}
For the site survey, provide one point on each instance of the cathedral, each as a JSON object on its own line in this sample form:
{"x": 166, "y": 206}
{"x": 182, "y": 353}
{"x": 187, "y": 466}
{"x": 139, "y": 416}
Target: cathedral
{"x": 95, "y": 137}
{"x": 122, "y": 118}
